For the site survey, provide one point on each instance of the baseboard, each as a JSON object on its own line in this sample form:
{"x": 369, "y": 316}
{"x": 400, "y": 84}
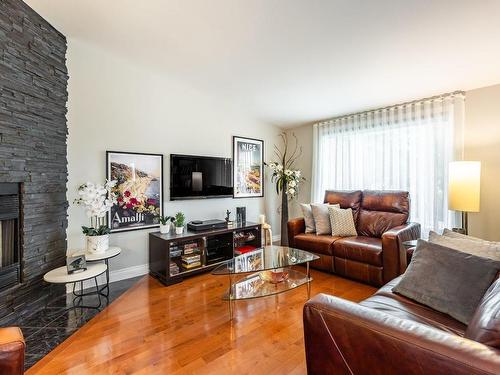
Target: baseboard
{"x": 123, "y": 274}
{"x": 114, "y": 275}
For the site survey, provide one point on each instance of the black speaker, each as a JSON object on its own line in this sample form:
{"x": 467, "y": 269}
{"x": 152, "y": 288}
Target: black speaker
{"x": 241, "y": 215}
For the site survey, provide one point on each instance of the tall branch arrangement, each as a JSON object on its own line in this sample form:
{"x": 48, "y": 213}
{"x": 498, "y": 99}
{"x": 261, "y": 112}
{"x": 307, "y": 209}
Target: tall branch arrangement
{"x": 286, "y": 178}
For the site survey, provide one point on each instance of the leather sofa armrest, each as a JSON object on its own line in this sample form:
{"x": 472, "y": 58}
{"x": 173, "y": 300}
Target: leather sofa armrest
{"x": 394, "y": 257}
{"x": 295, "y": 226}
{"x": 12, "y": 349}
{"x": 342, "y": 337}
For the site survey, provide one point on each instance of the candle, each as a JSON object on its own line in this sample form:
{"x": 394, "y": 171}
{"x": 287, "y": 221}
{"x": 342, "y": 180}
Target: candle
{"x": 262, "y": 219}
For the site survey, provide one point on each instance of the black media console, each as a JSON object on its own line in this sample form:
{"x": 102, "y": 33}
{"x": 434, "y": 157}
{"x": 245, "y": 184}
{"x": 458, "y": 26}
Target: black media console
{"x": 173, "y": 257}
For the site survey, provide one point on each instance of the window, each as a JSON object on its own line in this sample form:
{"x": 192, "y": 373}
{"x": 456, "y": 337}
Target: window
{"x": 406, "y": 147}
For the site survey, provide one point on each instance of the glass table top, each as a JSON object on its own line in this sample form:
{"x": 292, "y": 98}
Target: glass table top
{"x": 265, "y": 258}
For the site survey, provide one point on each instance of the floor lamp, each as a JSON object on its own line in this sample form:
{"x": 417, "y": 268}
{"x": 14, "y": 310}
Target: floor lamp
{"x": 464, "y": 183}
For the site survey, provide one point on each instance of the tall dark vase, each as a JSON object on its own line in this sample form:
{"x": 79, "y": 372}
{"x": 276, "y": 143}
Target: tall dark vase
{"x": 284, "y": 216}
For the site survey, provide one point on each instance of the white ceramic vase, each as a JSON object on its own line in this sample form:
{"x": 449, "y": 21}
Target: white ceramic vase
{"x": 164, "y": 228}
{"x": 179, "y": 230}
{"x": 97, "y": 244}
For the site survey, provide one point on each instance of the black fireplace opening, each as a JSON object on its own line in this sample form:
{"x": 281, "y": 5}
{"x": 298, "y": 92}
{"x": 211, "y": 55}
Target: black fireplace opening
{"x": 10, "y": 229}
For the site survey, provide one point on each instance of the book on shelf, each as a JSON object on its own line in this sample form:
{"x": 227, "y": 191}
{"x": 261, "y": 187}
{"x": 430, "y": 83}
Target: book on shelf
{"x": 192, "y": 250}
{"x": 190, "y": 245}
{"x": 175, "y": 253}
{"x": 174, "y": 269}
{"x": 244, "y": 249}
{"x": 191, "y": 265}
{"x": 191, "y": 258}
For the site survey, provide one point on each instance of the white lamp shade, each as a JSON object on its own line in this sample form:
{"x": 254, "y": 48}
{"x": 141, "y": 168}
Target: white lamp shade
{"x": 464, "y": 185}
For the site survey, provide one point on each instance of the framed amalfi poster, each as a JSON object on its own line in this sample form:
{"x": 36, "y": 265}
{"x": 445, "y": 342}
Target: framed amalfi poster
{"x": 138, "y": 189}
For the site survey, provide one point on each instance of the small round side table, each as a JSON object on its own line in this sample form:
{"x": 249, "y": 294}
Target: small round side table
{"x": 112, "y": 252}
{"x": 61, "y": 276}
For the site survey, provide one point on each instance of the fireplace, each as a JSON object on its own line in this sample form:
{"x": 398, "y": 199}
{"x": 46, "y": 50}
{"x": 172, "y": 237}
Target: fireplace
{"x": 10, "y": 219}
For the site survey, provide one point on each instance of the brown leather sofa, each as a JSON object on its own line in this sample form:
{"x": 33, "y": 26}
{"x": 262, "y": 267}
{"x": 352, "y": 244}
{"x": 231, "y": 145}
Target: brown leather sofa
{"x": 388, "y": 334}
{"x": 12, "y": 349}
{"x": 377, "y": 254}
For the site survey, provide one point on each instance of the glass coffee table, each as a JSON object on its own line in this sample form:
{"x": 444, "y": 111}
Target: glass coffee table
{"x": 265, "y": 272}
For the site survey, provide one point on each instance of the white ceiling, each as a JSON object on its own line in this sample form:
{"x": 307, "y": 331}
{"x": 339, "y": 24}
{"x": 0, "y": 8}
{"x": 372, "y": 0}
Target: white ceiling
{"x": 294, "y": 61}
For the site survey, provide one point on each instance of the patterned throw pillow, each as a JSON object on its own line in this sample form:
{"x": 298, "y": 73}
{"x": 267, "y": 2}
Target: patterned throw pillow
{"x": 322, "y": 217}
{"x": 308, "y": 217}
{"x": 478, "y": 247}
{"x": 342, "y": 222}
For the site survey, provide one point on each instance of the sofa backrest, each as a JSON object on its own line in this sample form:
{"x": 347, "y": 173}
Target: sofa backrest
{"x": 485, "y": 324}
{"x": 382, "y": 210}
{"x": 346, "y": 199}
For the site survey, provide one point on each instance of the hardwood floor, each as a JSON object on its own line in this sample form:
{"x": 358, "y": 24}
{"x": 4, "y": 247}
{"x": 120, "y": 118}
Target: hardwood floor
{"x": 185, "y": 329}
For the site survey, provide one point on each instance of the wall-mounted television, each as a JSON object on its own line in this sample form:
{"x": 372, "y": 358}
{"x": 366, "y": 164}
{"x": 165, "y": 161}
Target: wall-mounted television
{"x": 200, "y": 177}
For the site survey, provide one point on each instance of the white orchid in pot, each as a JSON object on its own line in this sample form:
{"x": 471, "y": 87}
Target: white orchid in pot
{"x": 97, "y": 200}
{"x": 286, "y": 178}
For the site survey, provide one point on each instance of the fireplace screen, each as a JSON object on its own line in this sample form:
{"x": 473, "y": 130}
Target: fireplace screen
{"x": 8, "y": 245}
{"x": 9, "y": 235}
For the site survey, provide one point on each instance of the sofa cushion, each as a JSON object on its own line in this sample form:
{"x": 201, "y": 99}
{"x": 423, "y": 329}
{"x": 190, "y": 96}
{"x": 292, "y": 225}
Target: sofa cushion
{"x": 450, "y": 233}
{"x": 321, "y": 244}
{"x": 485, "y": 324}
{"x": 322, "y": 218}
{"x": 381, "y": 211}
{"x": 479, "y": 248}
{"x": 308, "y": 217}
{"x": 447, "y": 280}
{"x": 346, "y": 199}
{"x": 342, "y": 222}
{"x": 387, "y": 301}
{"x": 359, "y": 248}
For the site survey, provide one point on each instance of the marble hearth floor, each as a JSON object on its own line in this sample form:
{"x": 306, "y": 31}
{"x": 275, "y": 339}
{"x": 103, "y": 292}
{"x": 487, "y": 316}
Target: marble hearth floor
{"x": 50, "y": 326}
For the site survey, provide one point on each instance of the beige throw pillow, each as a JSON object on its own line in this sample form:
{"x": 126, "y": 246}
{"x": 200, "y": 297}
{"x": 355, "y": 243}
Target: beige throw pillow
{"x": 476, "y": 247}
{"x": 449, "y": 233}
{"x": 322, "y": 217}
{"x": 308, "y": 217}
{"x": 342, "y": 222}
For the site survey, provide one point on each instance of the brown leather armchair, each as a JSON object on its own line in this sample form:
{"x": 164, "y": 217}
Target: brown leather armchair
{"x": 388, "y": 334}
{"x": 12, "y": 348}
{"x": 376, "y": 255}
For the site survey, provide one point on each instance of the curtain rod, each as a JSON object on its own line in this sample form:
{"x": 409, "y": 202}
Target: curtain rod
{"x": 418, "y": 101}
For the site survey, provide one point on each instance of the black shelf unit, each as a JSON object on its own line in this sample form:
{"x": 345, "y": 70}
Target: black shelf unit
{"x": 173, "y": 257}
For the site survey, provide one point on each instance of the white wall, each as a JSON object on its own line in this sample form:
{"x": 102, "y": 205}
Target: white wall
{"x": 482, "y": 142}
{"x": 115, "y": 105}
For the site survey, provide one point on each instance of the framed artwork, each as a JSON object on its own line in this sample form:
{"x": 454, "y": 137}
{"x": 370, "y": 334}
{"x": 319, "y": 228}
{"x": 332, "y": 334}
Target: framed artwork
{"x": 76, "y": 263}
{"x": 139, "y": 190}
{"x": 248, "y": 167}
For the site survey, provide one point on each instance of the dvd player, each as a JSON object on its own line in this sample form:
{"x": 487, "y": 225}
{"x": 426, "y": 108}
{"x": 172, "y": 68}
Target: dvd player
{"x": 198, "y": 225}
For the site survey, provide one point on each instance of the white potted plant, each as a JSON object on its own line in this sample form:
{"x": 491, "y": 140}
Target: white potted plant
{"x": 165, "y": 223}
{"x": 179, "y": 222}
{"x": 97, "y": 200}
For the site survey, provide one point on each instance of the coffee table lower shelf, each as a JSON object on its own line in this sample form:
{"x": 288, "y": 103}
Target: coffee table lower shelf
{"x": 254, "y": 286}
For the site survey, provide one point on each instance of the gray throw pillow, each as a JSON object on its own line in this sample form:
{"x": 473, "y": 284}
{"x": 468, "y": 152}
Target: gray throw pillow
{"x": 308, "y": 217}
{"x": 322, "y": 217}
{"x": 447, "y": 280}
{"x": 476, "y": 247}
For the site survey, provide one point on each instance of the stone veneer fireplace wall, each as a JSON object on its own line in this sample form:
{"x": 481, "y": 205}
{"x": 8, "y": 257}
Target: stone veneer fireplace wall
{"x": 33, "y": 131}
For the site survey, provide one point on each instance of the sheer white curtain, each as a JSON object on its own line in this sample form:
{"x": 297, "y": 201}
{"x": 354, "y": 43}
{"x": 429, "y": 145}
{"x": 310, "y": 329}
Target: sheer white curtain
{"x": 406, "y": 147}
